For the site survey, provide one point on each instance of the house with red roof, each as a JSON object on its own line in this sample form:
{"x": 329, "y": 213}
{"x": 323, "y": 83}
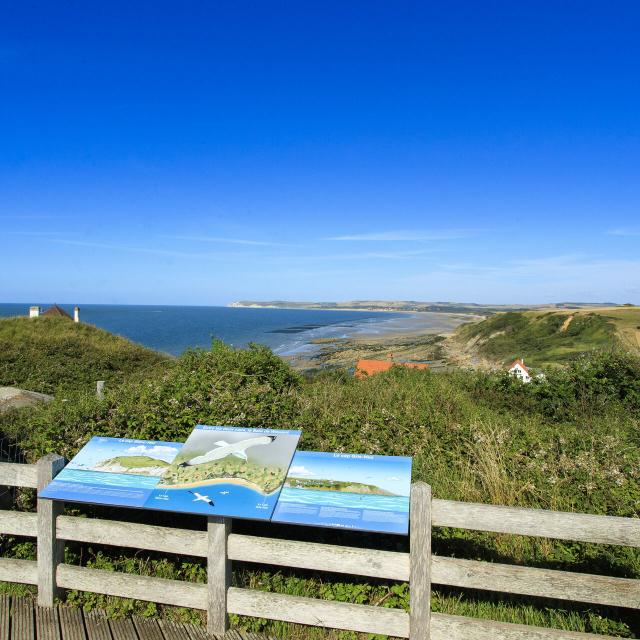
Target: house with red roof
{"x": 366, "y": 368}
{"x": 519, "y": 370}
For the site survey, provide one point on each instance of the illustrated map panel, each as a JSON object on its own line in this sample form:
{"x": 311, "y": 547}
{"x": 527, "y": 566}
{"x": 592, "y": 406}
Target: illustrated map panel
{"x": 230, "y": 471}
{"x": 348, "y": 491}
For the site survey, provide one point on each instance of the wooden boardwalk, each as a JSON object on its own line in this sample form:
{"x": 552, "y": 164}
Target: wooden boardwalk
{"x": 21, "y": 619}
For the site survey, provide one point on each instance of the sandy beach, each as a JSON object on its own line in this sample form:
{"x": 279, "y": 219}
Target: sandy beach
{"x": 238, "y": 481}
{"x": 415, "y": 337}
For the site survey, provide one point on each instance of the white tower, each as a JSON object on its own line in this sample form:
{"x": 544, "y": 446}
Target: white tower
{"x": 76, "y": 313}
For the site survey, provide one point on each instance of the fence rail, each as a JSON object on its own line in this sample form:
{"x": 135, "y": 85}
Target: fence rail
{"x": 419, "y": 567}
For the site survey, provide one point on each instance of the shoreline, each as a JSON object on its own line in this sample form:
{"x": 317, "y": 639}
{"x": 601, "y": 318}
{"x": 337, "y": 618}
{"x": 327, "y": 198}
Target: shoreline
{"x": 420, "y": 340}
{"x": 214, "y": 481}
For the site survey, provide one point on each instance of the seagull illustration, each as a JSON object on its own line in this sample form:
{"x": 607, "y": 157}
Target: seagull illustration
{"x": 199, "y": 496}
{"x": 225, "y": 449}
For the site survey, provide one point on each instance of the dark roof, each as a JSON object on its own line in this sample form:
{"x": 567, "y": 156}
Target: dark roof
{"x": 55, "y": 310}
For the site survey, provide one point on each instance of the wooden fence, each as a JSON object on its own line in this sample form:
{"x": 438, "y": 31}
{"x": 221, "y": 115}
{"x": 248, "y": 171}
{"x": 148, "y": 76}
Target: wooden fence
{"x": 419, "y": 567}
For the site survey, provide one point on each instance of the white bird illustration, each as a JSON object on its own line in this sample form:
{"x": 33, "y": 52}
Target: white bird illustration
{"x": 199, "y": 496}
{"x": 225, "y": 449}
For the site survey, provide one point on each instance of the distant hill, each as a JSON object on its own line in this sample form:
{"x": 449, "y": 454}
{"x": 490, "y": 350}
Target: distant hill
{"x": 49, "y": 354}
{"x": 549, "y": 337}
{"x": 142, "y": 465}
{"x": 409, "y": 305}
{"x": 336, "y": 485}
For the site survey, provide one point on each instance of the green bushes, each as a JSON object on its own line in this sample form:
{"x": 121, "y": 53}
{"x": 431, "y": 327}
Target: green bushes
{"x": 249, "y": 387}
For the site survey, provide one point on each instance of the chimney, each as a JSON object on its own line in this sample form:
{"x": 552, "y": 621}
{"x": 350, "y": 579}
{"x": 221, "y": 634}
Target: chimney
{"x": 76, "y": 314}
{"x": 34, "y": 311}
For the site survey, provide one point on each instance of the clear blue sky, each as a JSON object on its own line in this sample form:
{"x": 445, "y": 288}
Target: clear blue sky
{"x": 203, "y": 152}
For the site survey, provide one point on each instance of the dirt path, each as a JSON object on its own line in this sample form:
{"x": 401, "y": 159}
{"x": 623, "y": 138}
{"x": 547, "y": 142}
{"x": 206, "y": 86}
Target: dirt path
{"x": 566, "y": 323}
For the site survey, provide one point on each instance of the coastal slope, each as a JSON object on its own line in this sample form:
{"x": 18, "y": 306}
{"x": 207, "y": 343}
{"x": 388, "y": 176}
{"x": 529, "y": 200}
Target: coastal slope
{"x": 545, "y": 337}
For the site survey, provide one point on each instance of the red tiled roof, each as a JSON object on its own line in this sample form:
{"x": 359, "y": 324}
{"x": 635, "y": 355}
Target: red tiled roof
{"x": 371, "y": 367}
{"x": 519, "y": 361}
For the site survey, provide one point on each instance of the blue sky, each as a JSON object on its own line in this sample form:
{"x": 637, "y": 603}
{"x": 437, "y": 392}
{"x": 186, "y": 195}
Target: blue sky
{"x": 101, "y": 449}
{"x": 204, "y": 152}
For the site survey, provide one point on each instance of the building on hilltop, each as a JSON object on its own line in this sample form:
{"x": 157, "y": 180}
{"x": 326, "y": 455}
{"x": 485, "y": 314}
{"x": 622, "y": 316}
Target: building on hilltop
{"x": 366, "y": 368}
{"x": 54, "y": 311}
{"x": 519, "y": 370}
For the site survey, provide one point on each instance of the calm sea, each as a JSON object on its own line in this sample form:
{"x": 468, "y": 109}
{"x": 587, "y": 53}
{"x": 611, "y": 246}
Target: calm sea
{"x": 174, "y": 329}
{"x": 345, "y": 500}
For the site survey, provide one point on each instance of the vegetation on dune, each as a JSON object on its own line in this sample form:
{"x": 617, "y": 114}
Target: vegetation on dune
{"x": 541, "y": 338}
{"x": 51, "y": 354}
{"x": 569, "y": 442}
{"x": 266, "y": 479}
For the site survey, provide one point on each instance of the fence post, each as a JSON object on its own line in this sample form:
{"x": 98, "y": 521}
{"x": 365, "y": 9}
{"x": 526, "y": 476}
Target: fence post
{"x": 50, "y": 549}
{"x": 218, "y": 574}
{"x": 420, "y": 562}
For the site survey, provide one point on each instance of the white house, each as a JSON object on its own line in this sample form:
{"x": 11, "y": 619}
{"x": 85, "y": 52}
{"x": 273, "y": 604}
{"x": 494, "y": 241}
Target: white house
{"x": 519, "y": 370}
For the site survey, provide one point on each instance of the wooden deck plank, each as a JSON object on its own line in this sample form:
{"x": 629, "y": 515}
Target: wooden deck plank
{"x": 147, "y": 629}
{"x": 71, "y": 624}
{"x": 5, "y": 617}
{"x": 22, "y": 624}
{"x": 123, "y": 629}
{"x": 97, "y": 625}
{"x": 173, "y": 630}
{"x": 21, "y": 619}
{"x": 197, "y": 632}
{"x": 47, "y": 623}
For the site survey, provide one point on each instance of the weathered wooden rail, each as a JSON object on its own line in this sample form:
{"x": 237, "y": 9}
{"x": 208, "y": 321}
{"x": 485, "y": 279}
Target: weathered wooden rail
{"x": 419, "y": 567}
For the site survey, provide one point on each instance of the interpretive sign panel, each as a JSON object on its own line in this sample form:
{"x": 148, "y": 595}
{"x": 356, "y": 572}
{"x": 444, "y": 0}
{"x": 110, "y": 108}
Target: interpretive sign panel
{"x": 348, "y": 491}
{"x": 226, "y": 471}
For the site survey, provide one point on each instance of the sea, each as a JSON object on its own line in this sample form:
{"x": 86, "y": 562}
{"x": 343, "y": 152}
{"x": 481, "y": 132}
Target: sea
{"x": 345, "y": 499}
{"x": 173, "y": 329}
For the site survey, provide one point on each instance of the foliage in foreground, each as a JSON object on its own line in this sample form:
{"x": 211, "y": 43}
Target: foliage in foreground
{"x": 570, "y": 442}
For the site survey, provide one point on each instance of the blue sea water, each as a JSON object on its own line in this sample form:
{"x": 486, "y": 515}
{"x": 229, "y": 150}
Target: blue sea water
{"x": 125, "y": 480}
{"x": 129, "y": 490}
{"x": 384, "y": 514}
{"x": 343, "y": 499}
{"x": 226, "y": 499}
{"x": 173, "y": 329}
